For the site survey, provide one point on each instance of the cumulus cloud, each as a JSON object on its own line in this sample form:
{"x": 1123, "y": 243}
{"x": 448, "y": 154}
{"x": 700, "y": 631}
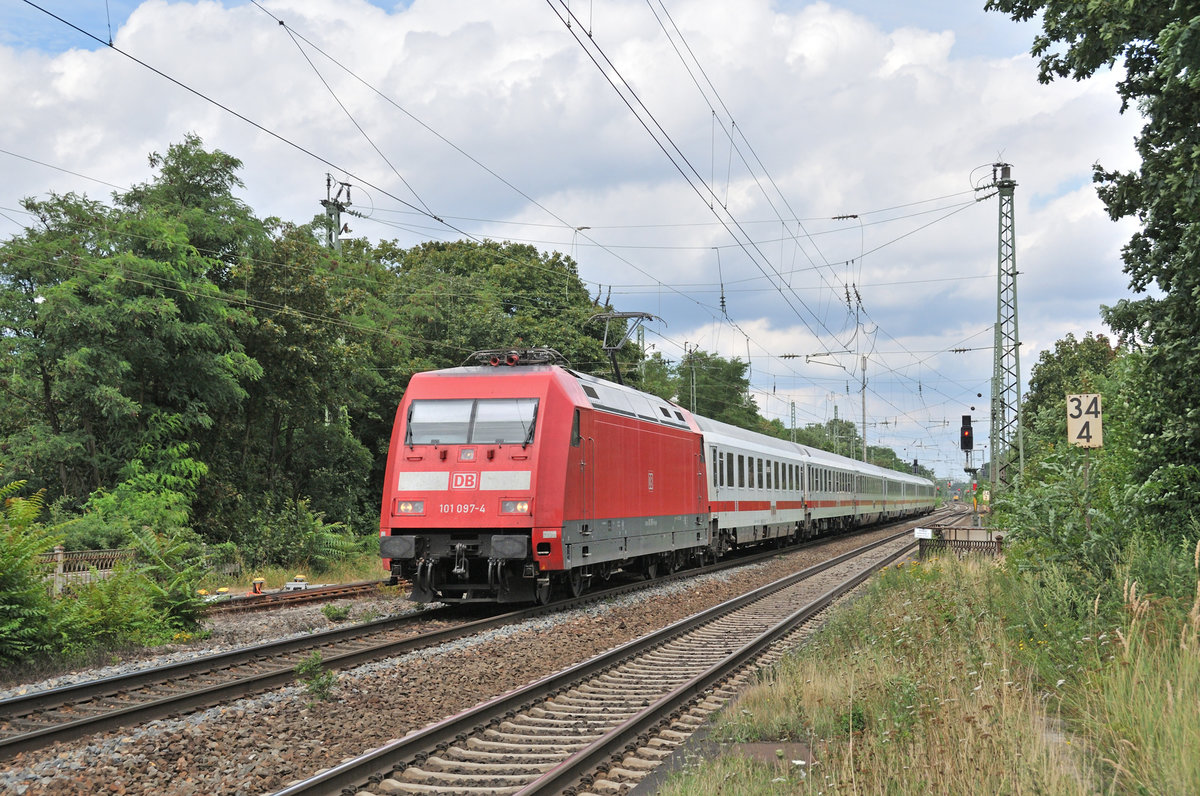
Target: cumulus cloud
{"x": 802, "y": 113}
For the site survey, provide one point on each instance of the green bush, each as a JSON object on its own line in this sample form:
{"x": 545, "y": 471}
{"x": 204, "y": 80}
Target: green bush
{"x": 27, "y": 620}
{"x": 116, "y": 611}
{"x": 90, "y": 531}
{"x": 317, "y": 680}
{"x": 336, "y": 613}
{"x": 294, "y": 534}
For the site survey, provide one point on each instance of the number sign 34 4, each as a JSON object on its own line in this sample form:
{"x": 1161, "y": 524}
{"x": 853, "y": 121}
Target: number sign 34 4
{"x": 1084, "y": 426}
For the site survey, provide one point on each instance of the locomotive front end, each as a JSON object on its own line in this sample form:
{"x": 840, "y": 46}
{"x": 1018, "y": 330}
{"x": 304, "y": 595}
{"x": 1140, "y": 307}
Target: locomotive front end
{"x": 461, "y": 494}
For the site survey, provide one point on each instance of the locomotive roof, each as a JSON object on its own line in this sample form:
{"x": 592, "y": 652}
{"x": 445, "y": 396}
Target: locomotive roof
{"x": 601, "y": 394}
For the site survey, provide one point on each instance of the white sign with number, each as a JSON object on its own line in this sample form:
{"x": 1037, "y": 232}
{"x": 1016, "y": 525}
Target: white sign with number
{"x": 1084, "y": 427}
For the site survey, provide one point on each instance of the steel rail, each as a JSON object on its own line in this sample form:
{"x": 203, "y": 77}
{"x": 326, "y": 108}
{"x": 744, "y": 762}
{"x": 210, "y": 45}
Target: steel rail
{"x": 280, "y": 599}
{"x": 83, "y": 697}
{"x": 374, "y": 765}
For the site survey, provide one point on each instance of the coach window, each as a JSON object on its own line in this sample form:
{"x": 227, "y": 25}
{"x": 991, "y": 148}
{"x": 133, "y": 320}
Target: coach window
{"x": 769, "y": 481}
{"x": 729, "y": 469}
{"x": 778, "y": 483}
{"x": 741, "y": 470}
{"x": 715, "y": 464}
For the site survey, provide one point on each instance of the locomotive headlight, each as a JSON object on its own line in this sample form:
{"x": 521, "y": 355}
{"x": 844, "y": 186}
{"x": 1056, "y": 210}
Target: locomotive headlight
{"x": 410, "y": 507}
{"x": 514, "y": 506}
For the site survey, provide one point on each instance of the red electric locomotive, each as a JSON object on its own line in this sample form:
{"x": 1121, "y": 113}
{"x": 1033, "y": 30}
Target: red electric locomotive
{"x": 506, "y": 477}
{"x": 514, "y": 475}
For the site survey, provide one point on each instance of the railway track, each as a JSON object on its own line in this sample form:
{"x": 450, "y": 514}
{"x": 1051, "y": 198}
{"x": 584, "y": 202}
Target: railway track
{"x": 285, "y": 599}
{"x": 602, "y": 725}
{"x": 37, "y": 720}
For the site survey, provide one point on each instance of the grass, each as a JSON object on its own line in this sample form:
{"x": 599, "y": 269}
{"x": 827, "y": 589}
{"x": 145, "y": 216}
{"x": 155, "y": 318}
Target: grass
{"x": 954, "y": 677}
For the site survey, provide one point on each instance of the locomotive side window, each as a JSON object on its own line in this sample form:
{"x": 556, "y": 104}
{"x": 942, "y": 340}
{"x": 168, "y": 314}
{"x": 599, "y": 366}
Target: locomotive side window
{"x": 483, "y": 421}
{"x": 575, "y": 436}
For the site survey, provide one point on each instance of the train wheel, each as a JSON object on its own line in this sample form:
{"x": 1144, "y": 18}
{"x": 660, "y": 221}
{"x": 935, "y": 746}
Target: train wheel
{"x": 576, "y": 582}
{"x": 542, "y": 592}
{"x": 651, "y": 569}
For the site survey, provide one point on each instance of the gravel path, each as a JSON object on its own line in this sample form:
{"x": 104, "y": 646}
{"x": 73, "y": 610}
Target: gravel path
{"x": 258, "y": 745}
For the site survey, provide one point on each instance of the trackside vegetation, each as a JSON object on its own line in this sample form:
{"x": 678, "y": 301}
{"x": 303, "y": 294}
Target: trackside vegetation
{"x": 966, "y": 677}
{"x": 1072, "y": 664}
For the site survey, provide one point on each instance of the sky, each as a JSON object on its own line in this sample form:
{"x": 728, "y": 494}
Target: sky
{"x": 803, "y": 185}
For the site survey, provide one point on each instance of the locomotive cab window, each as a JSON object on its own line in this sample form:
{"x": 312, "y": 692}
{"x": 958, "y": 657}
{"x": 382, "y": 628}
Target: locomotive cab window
{"x": 483, "y": 421}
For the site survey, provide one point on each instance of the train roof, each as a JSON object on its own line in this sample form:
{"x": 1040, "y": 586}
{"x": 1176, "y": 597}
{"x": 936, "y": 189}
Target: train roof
{"x": 622, "y": 400}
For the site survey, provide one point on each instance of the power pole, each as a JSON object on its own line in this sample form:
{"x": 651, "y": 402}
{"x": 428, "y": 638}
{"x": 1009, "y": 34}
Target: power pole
{"x": 1008, "y": 445}
{"x": 334, "y": 207}
{"x": 864, "y": 406}
{"x": 613, "y": 348}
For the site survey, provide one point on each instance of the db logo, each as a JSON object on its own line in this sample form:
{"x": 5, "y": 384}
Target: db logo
{"x": 464, "y": 481}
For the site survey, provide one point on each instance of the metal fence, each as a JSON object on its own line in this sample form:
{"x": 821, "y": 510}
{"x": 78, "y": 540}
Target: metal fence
{"x": 84, "y": 566}
{"x": 959, "y": 547}
{"x": 81, "y": 566}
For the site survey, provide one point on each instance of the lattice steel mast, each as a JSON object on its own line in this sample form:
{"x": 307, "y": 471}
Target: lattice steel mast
{"x": 1008, "y": 447}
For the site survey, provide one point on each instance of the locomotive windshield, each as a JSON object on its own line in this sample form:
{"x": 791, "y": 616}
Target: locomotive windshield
{"x": 469, "y": 421}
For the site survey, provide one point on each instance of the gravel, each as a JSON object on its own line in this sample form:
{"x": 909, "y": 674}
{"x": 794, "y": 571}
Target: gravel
{"x": 257, "y": 745}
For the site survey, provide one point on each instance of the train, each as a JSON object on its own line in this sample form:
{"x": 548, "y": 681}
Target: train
{"x": 513, "y": 477}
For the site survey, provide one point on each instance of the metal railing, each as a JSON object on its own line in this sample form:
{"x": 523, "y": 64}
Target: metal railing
{"x": 959, "y": 547}
{"x": 81, "y": 566}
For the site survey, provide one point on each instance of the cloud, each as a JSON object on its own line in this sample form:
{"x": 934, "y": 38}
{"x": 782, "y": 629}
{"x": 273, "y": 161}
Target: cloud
{"x": 801, "y": 113}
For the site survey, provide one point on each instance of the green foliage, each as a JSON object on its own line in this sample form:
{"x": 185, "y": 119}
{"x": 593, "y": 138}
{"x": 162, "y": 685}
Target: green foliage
{"x": 336, "y": 613}
{"x": 26, "y": 612}
{"x": 110, "y": 613}
{"x": 1071, "y": 367}
{"x": 317, "y": 680}
{"x": 294, "y": 534}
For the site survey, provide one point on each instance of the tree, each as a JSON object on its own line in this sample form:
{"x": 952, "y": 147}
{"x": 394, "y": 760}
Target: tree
{"x": 1069, "y": 368}
{"x": 120, "y": 348}
{"x": 717, "y": 388}
{"x": 1158, "y": 46}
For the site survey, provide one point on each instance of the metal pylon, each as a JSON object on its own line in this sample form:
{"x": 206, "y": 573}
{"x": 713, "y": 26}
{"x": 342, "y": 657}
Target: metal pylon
{"x": 1008, "y": 447}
